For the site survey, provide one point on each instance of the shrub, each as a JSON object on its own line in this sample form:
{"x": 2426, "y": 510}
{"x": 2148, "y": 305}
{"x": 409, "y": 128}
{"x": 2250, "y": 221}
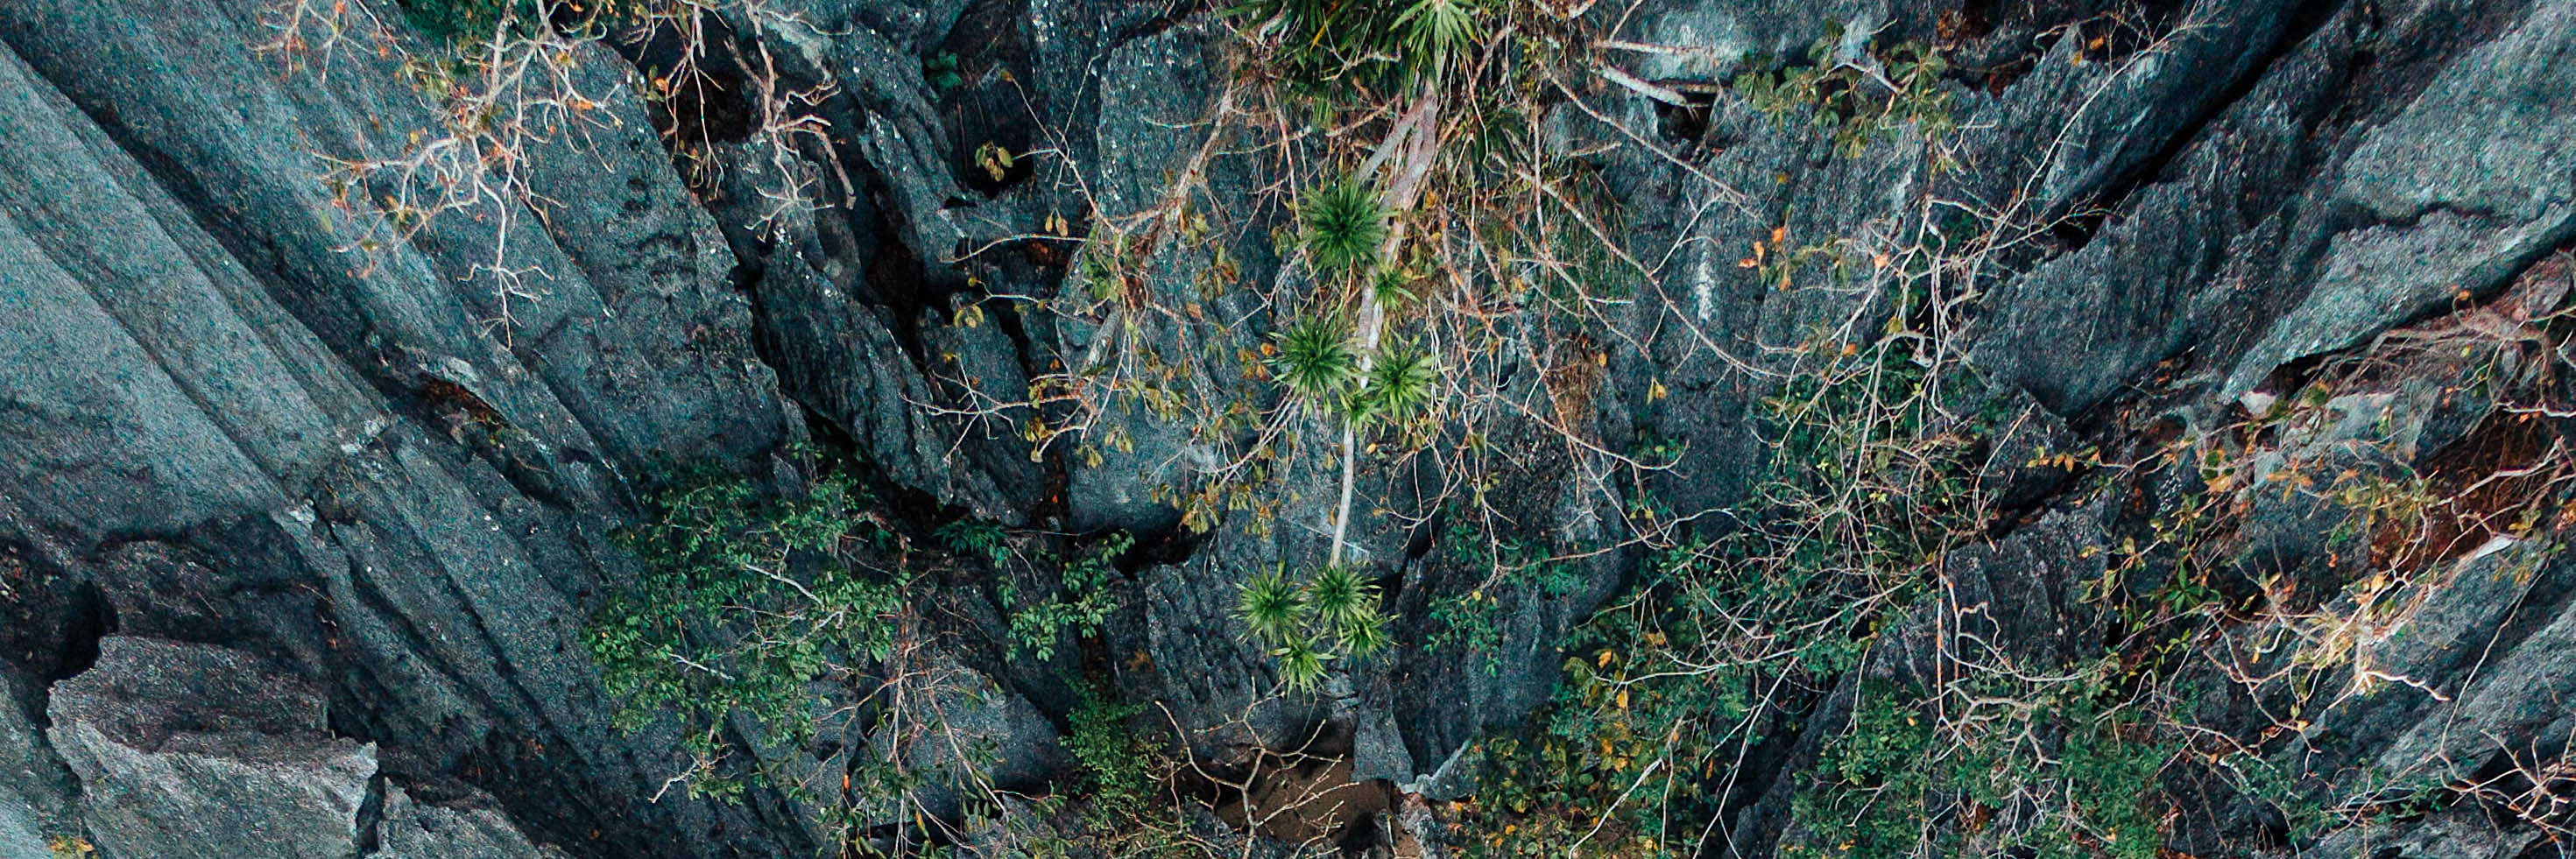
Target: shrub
{"x": 1080, "y": 606}
{"x": 741, "y": 604}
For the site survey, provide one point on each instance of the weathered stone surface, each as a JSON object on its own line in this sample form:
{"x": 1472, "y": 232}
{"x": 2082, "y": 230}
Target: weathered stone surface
{"x": 187, "y": 750}
{"x": 36, "y": 792}
{"x": 2469, "y": 183}
{"x": 224, "y": 426}
{"x": 411, "y": 829}
{"x": 391, "y": 474}
{"x": 970, "y": 738}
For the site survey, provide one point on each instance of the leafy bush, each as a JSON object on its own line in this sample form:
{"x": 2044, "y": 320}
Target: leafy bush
{"x": 1468, "y": 622}
{"x": 1118, "y": 767}
{"x": 1869, "y": 479}
{"x": 942, "y": 71}
{"x": 976, "y": 538}
{"x": 1080, "y": 606}
{"x": 1858, "y": 106}
{"x": 741, "y": 604}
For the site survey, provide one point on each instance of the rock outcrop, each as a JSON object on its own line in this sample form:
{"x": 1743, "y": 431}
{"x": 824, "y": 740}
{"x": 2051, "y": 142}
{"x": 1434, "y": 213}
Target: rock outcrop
{"x": 186, "y": 750}
{"x": 312, "y": 440}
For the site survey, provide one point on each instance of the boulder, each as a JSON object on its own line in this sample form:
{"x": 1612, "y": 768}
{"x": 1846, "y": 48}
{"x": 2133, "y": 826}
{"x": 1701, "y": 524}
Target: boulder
{"x": 190, "y": 750}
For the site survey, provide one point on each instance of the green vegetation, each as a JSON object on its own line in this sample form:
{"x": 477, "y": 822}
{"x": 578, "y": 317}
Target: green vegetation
{"x": 1271, "y": 606}
{"x": 1871, "y": 482}
{"x": 1436, "y": 35}
{"x": 1345, "y": 225}
{"x": 741, "y": 604}
{"x": 1121, "y": 806}
{"x": 1344, "y": 49}
{"x": 942, "y": 71}
{"x": 472, "y": 25}
{"x": 1315, "y": 358}
{"x": 1468, "y": 294}
{"x": 1079, "y": 607}
{"x": 1399, "y": 385}
{"x": 1885, "y": 785}
{"x": 784, "y": 615}
{"x": 1857, "y": 104}
{"x": 1466, "y": 623}
{"x": 1120, "y": 770}
{"x": 1308, "y": 625}
{"x": 466, "y": 21}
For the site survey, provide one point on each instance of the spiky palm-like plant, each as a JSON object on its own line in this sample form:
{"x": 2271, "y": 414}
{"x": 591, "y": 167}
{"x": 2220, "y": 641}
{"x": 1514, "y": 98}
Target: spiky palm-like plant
{"x": 1436, "y": 34}
{"x": 1272, "y": 608}
{"x": 1345, "y": 226}
{"x": 1401, "y": 382}
{"x": 1315, "y": 356}
{"x": 1341, "y": 598}
{"x": 1365, "y": 635}
{"x": 1393, "y": 287}
{"x": 1301, "y": 664}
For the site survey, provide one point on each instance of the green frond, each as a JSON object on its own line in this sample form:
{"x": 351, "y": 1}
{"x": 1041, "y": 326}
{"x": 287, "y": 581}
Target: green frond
{"x": 1315, "y": 357}
{"x": 1400, "y": 384}
{"x": 1437, "y": 34}
{"x": 1345, "y": 225}
{"x": 1341, "y": 596}
{"x": 1364, "y": 635}
{"x": 1301, "y": 664}
{"x": 1272, "y": 609}
{"x": 1392, "y": 287}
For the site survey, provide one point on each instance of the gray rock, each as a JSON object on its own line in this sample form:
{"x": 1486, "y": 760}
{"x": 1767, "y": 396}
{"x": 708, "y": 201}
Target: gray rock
{"x": 967, "y": 738}
{"x": 469, "y": 829}
{"x": 187, "y": 750}
{"x": 2018, "y": 601}
{"x": 333, "y": 457}
{"x": 393, "y": 476}
{"x": 36, "y": 792}
{"x": 2458, "y": 192}
{"x": 2456, "y": 833}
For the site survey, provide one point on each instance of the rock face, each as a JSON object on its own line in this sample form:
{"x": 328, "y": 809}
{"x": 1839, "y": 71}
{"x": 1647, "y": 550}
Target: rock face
{"x": 199, "y": 750}
{"x": 191, "y": 750}
{"x": 416, "y": 830}
{"x": 305, "y": 497}
{"x": 36, "y": 792}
